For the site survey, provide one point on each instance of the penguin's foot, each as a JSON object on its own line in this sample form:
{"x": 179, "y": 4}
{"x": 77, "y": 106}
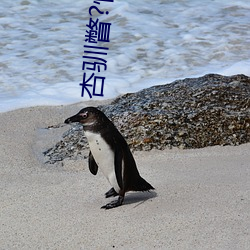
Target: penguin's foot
{"x": 113, "y": 204}
{"x": 111, "y": 193}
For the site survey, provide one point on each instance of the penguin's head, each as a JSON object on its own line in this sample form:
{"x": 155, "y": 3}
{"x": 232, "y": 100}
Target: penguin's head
{"x": 88, "y": 117}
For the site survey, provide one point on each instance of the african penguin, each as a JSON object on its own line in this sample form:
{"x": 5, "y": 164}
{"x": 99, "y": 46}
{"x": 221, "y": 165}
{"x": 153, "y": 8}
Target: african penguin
{"x": 110, "y": 152}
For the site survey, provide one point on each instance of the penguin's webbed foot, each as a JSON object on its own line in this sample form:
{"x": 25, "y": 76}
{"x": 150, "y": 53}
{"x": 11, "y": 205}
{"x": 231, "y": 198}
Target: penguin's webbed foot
{"x": 111, "y": 193}
{"x": 113, "y": 204}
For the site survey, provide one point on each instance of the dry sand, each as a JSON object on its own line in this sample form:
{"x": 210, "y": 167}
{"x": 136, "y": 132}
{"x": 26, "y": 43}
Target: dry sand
{"x": 201, "y": 201}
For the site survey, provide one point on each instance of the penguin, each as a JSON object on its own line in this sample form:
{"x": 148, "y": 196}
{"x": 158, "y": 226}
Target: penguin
{"x": 110, "y": 152}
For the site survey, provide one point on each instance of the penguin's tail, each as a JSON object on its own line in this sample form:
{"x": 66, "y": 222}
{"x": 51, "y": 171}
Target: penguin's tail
{"x": 141, "y": 185}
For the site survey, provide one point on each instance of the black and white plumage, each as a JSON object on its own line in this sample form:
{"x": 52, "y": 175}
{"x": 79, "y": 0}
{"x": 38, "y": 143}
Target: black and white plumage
{"x": 110, "y": 152}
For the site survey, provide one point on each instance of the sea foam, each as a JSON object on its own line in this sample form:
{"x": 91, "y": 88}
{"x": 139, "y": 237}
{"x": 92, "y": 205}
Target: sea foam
{"x": 151, "y": 43}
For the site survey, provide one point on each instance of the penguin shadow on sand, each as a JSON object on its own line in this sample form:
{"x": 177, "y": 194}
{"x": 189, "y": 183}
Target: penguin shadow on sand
{"x": 138, "y": 198}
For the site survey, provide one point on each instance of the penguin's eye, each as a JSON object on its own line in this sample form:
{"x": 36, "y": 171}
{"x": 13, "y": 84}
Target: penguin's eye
{"x": 84, "y": 115}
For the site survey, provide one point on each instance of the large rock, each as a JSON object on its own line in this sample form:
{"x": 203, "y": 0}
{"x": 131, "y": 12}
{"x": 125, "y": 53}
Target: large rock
{"x": 190, "y": 113}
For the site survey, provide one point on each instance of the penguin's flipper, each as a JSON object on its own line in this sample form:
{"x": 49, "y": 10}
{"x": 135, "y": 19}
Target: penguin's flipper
{"x": 118, "y": 166}
{"x": 111, "y": 193}
{"x": 115, "y": 203}
{"x": 93, "y": 167}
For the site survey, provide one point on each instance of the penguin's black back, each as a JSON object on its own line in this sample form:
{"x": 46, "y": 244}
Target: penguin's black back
{"x": 132, "y": 180}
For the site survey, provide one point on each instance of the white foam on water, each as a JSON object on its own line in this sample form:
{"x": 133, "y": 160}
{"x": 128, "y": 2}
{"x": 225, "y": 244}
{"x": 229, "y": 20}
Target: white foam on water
{"x": 151, "y": 43}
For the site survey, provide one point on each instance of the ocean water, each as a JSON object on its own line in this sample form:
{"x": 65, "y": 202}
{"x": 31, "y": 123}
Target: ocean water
{"x": 151, "y": 43}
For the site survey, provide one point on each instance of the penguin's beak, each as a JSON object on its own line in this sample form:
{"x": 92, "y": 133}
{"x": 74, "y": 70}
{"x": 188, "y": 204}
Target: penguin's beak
{"x": 74, "y": 118}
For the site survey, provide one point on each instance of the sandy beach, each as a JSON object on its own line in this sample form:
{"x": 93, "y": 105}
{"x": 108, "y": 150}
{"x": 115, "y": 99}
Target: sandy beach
{"x": 201, "y": 198}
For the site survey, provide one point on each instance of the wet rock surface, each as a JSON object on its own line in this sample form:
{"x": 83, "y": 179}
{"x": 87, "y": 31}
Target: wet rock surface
{"x": 190, "y": 113}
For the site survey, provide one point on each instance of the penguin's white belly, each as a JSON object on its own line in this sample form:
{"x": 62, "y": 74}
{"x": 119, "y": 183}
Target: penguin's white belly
{"x": 104, "y": 157}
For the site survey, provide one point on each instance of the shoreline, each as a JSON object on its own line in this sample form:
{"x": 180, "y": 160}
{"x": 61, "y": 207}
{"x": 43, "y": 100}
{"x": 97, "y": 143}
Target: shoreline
{"x": 201, "y": 198}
